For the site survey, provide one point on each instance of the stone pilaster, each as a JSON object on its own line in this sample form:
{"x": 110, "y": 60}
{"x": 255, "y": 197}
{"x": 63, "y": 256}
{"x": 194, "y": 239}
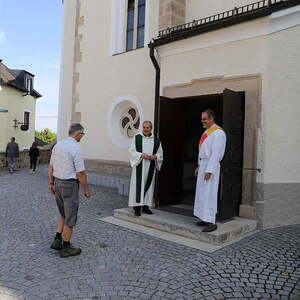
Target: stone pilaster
{"x": 76, "y": 116}
{"x": 171, "y": 13}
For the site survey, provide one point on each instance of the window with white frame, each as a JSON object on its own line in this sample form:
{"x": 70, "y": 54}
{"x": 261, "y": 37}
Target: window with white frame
{"x": 130, "y": 25}
{"x": 29, "y": 86}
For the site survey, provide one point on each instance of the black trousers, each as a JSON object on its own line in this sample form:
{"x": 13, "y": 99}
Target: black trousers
{"x": 33, "y": 161}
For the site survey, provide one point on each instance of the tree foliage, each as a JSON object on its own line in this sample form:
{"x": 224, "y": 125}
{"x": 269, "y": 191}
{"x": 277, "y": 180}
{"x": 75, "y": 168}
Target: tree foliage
{"x": 46, "y": 135}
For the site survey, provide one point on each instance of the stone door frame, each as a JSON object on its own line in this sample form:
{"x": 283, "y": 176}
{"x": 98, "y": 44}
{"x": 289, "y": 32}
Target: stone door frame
{"x": 252, "y": 86}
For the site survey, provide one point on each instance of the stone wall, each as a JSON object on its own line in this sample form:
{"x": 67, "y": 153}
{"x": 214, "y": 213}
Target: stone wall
{"x": 23, "y": 161}
{"x": 109, "y": 167}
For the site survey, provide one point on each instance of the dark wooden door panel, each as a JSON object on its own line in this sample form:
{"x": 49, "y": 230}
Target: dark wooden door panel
{"x": 171, "y": 133}
{"x": 232, "y": 164}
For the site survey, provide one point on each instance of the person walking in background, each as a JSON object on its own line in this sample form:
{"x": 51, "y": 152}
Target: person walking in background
{"x": 34, "y": 154}
{"x": 12, "y": 153}
{"x": 66, "y": 170}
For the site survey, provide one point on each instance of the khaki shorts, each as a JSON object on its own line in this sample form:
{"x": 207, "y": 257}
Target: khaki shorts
{"x": 67, "y": 199}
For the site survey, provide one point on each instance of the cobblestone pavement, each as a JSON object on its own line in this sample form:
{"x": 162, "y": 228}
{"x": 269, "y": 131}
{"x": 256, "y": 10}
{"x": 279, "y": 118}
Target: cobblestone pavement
{"x": 117, "y": 263}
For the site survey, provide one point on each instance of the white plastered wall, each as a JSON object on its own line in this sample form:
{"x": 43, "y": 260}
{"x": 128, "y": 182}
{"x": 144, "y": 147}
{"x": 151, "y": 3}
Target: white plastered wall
{"x": 197, "y": 9}
{"x": 282, "y": 110}
{"x": 104, "y": 78}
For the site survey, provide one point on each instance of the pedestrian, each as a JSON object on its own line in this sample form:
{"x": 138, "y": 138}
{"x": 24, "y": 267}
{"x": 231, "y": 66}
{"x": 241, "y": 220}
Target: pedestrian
{"x": 66, "y": 171}
{"x": 146, "y": 157}
{"x": 12, "y": 153}
{"x": 34, "y": 154}
{"x": 211, "y": 151}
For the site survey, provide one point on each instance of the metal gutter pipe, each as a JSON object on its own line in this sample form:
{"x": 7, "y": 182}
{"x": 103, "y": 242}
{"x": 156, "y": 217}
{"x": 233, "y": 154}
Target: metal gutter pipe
{"x": 157, "y": 90}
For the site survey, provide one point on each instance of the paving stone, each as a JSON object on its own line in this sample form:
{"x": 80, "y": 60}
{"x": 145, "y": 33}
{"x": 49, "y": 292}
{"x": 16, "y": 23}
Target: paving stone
{"x": 117, "y": 263}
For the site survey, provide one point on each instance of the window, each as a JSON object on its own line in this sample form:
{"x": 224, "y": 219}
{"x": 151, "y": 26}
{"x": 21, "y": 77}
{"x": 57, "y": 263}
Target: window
{"x": 29, "y": 84}
{"x": 141, "y": 23}
{"x": 135, "y": 32}
{"x": 130, "y": 25}
{"x": 26, "y": 118}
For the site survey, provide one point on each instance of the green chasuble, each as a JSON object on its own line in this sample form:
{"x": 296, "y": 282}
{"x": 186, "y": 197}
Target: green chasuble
{"x": 139, "y": 168}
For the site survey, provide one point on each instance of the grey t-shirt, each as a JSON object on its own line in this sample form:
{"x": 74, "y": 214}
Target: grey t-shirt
{"x": 12, "y": 149}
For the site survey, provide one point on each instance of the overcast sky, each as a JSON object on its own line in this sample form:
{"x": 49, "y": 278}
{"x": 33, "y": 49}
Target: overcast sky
{"x": 30, "y": 39}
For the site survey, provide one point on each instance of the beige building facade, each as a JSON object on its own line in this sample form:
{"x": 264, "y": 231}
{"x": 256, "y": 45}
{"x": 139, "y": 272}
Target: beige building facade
{"x": 18, "y": 97}
{"x": 227, "y": 50}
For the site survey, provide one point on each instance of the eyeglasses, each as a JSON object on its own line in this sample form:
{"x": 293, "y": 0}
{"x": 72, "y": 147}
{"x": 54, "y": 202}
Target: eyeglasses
{"x": 204, "y": 119}
{"x": 82, "y": 133}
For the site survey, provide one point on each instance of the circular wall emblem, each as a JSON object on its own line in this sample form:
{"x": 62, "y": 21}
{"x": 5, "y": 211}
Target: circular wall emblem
{"x": 130, "y": 122}
{"x": 124, "y": 120}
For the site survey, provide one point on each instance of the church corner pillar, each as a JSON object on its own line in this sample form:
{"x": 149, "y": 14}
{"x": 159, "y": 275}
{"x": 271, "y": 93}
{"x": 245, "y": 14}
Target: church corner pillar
{"x": 171, "y": 13}
{"x": 79, "y": 22}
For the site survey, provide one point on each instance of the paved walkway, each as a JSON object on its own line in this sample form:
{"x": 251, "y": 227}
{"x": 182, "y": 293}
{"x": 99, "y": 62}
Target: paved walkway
{"x": 117, "y": 263}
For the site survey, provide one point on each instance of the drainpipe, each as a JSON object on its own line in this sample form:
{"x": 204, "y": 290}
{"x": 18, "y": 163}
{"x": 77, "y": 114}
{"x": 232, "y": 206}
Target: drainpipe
{"x": 157, "y": 90}
{"x": 156, "y": 111}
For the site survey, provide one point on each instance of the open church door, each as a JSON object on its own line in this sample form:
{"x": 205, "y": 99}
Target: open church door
{"x": 171, "y": 134}
{"x": 230, "y": 191}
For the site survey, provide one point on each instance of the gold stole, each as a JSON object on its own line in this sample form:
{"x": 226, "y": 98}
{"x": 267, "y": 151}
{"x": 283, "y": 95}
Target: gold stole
{"x": 206, "y": 134}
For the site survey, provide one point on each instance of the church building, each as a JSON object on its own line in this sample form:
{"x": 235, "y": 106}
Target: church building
{"x": 126, "y": 61}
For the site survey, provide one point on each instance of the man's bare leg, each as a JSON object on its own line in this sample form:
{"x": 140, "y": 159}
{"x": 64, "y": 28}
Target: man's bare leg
{"x": 67, "y": 233}
{"x": 60, "y": 225}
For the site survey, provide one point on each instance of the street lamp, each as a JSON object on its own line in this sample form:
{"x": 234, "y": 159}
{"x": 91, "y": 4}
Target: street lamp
{"x": 2, "y": 110}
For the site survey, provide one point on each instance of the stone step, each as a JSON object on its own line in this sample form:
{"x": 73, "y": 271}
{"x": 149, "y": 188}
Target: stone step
{"x": 186, "y": 226}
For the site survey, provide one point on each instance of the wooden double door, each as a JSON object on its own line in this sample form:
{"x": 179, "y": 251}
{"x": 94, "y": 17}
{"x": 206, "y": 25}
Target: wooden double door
{"x": 180, "y": 129}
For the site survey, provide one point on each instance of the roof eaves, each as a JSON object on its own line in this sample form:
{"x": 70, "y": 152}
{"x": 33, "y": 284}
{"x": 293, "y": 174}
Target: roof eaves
{"x": 176, "y": 35}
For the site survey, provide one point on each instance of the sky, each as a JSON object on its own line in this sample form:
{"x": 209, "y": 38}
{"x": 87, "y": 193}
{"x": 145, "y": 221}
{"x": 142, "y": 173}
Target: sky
{"x": 30, "y": 39}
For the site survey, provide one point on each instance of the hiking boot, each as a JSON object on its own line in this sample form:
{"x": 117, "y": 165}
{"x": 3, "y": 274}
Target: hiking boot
{"x": 57, "y": 244}
{"x": 70, "y": 251}
{"x": 146, "y": 210}
{"x": 210, "y": 228}
{"x": 202, "y": 223}
{"x": 137, "y": 211}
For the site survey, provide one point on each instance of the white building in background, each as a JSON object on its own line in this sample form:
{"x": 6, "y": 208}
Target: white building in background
{"x": 18, "y": 97}
{"x": 237, "y": 57}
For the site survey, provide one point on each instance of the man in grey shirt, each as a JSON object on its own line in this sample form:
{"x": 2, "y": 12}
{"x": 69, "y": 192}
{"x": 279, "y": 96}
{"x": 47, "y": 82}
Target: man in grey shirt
{"x": 12, "y": 153}
{"x": 66, "y": 170}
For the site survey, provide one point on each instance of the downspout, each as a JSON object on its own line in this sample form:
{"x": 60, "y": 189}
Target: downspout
{"x": 157, "y": 90}
{"x": 156, "y": 110}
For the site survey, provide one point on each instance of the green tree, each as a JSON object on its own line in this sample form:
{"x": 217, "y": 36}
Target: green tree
{"x": 46, "y": 135}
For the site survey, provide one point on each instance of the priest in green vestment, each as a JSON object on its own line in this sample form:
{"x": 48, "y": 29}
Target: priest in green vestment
{"x": 146, "y": 157}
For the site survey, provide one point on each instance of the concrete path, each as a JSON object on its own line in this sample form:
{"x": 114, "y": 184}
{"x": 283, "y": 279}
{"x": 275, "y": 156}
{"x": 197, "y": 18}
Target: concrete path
{"x": 117, "y": 263}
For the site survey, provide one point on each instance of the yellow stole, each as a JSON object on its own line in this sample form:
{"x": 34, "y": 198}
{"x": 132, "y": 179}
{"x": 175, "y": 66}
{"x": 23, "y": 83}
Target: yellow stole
{"x": 207, "y": 133}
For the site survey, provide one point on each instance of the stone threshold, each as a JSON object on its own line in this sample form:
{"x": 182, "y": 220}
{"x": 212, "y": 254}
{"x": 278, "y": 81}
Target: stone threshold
{"x": 185, "y": 226}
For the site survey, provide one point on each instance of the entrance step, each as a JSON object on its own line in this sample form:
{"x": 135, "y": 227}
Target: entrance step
{"x": 186, "y": 226}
